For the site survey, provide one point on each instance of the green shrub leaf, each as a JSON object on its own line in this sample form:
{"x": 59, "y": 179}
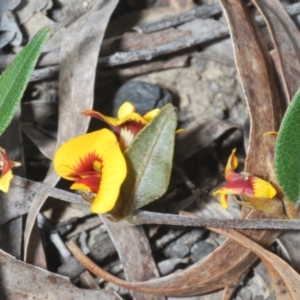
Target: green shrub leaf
{"x": 15, "y": 77}
{"x": 149, "y": 161}
{"x": 287, "y": 151}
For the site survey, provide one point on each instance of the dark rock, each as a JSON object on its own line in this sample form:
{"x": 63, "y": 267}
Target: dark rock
{"x": 144, "y": 96}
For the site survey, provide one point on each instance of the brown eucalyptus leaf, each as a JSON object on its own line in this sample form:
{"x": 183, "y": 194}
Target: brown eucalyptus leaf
{"x": 289, "y": 245}
{"x": 79, "y": 54}
{"x": 286, "y": 281}
{"x": 23, "y": 281}
{"x": 259, "y": 84}
{"x": 286, "y": 39}
{"x": 134, "y": 252}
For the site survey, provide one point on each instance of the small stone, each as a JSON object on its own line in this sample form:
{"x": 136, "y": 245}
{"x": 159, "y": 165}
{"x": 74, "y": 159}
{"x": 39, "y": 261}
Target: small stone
{"x": 181, "y": 247}
{"x": 200, "y": 250}
{"x": 144, "y": 96}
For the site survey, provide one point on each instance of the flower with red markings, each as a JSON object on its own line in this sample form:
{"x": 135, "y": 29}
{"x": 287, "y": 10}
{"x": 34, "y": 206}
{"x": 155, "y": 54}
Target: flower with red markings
{"x": 242, "y": 184}
{"x": 128, "y": 124}
{"x": 95, "y": 163}
{"x": 6, "y": 173}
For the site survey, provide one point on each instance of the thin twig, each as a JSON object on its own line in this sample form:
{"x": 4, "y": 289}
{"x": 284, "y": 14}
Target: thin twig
{"x": 121, "y": 58}
{"x": 146, "y": 217}
{"x": 44, "y": 73}
{"x": 48, "y": 190}
{"x": 203, "y": 12}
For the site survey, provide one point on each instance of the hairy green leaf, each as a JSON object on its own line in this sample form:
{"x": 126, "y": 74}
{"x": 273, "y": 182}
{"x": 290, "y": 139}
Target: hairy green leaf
{"x": 287, "y": 151}
{"x": 149, "y": 161}
{"x": 15, "y": 77}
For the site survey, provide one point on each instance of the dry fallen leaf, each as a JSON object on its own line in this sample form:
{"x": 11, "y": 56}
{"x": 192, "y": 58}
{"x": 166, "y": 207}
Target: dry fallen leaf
{"x": 23, "y": 281}
{"x": 79, "y": 54}
{"x": 134, "y": 252}
{"x": 286, "y": 39}
{"x": 286, "y": 281}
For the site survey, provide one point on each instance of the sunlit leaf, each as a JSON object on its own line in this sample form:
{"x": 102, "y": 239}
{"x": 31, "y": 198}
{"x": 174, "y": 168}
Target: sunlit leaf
{"x": 15, "y": 77}
{"x": 287, "y": 151}
{"x": 149, "y": 161}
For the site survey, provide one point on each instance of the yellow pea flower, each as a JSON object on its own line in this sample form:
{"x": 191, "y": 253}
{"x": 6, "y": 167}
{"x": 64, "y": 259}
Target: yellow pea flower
{"x": 6, "y": 173}
{"x": 96, "y": 164}
{"x": 242, "y": 184}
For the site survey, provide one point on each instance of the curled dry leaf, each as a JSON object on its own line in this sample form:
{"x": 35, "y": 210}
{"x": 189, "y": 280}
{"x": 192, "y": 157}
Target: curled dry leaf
{"x": 286, "y": 281}
{"x": 286, "y": 39}
{"x": 79, "y": 54}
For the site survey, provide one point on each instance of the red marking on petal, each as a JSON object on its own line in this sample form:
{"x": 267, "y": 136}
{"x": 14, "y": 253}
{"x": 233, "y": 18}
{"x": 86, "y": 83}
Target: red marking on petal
{"x": 86, "y": 164}
{"x": 86, "y": 174}
{"x": 6, "y": 164}
{"x": 93, "y": 182}
{"x": 233, "y": 176}
{"x": 239, "y": 187}
{"x": 133, "y": 126}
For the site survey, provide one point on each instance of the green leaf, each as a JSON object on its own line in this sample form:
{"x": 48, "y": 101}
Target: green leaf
{"x": 15, "y": 77}
{"x": 287, "y": 151}
{"x": 149, "y": 161}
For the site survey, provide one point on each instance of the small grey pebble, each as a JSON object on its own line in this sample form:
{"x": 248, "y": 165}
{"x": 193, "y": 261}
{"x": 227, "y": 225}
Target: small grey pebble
{"x": 200, "y": 250}
{"x": 144, "y": 96}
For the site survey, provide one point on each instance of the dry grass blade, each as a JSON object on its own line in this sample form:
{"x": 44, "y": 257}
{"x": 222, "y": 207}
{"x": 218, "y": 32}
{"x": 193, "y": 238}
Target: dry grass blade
{"x": 286, "y": 39}
{"x": 286, "y": 281}
{"x": 134, "y": 252}
{"x": 79, "y": 54}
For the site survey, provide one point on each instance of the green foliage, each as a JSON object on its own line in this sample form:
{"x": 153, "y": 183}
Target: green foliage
{"x": 149, "y": 161}
{"x": 15, "y": 77}
{"x": 287, "y": 151}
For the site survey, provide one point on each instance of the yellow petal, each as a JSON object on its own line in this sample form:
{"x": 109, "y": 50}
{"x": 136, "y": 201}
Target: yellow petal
{"x": 5, "y": 181}
{"x": 68, "y": 156}
{"x": 224, "y": 201}
{"x": 232, "y": 163}
{"x": 113, "y": 173}
{"x": 125, "y": 109}
{"x": 132, "y": 117}
{"x": 80, "y": 187}
{"x": 262, "y": 188}
{"x": 149, "y": 116}
{"x": 180, "y": 130}
{"x": 271, "y": 133}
